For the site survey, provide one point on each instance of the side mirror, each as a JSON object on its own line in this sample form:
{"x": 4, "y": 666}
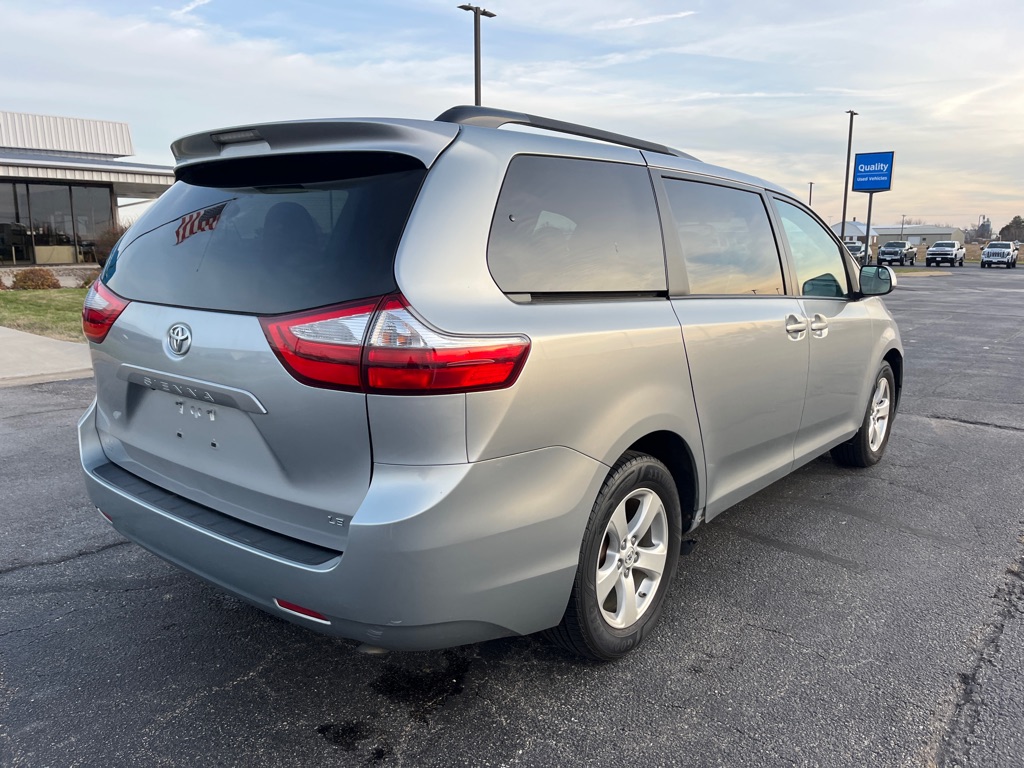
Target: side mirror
{"x": 877, "y": 280}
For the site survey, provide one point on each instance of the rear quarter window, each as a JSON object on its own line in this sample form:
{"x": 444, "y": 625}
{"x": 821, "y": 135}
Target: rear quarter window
{"x": 564, "y": 225}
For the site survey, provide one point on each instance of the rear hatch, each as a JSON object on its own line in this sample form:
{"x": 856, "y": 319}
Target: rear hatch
{"x": 191, "y": 396}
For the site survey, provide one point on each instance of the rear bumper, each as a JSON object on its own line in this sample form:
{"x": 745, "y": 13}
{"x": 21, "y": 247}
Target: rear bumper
{"x": 436, "y": 556}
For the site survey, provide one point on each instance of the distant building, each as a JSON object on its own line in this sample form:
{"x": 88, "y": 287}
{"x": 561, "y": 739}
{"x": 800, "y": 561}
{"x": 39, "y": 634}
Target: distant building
{"x": 855, "y": 232}
{"x": 60, "y": 182}
{"x": 921, "y": 234}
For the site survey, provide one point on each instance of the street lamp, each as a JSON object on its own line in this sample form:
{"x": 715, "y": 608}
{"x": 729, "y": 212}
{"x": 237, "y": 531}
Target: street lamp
{"x": 477, "y": 13}
{"x": 903, "y": 217}
{"x": 810, "y": 192}
{"x": 846, "y": 185}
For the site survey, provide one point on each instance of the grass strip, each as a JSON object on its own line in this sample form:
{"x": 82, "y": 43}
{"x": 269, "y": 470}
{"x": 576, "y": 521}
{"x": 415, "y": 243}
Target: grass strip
{"x": 56, "y": 313}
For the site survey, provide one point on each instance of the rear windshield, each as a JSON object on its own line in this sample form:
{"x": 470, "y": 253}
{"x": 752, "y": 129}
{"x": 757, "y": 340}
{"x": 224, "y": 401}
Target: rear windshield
{"x": 270, "y": 235}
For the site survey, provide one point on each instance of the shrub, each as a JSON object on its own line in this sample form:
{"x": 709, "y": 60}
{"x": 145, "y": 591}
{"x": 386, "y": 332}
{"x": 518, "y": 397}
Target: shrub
{"x": 34, "y": 278}
{"x": 106, "y": 240}
{"x": 89, "y": 278}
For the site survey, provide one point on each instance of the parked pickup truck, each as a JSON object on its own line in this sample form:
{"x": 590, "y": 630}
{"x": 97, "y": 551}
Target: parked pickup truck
{"x": 1000, "y": 252}
{"x": 899, "y": 251}
{"x": 945, "y": 252}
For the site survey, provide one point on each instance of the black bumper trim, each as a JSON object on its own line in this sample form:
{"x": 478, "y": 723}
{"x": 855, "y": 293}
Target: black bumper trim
{"x": 216, "y": 522}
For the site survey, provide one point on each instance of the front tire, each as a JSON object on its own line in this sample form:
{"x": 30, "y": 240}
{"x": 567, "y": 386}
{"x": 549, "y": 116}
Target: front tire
{"x": 866, "y": 447}
{"x": 627, "y": 561}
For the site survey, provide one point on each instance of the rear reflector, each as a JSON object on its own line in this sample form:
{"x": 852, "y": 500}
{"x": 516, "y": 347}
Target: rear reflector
{"x": 102, "y": 307}
{"x": 307, "y": 613}
{"x": 380, "y": 346}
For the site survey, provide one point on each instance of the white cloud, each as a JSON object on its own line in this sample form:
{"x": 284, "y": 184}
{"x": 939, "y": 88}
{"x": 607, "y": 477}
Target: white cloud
{"x": 631, "y": 22}
{"x": 185, "y": 12}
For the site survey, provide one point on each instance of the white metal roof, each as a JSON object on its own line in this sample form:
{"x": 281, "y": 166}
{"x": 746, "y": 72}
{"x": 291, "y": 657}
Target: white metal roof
{"x": 19, "y": 130}
{"x": 71, "y": 149}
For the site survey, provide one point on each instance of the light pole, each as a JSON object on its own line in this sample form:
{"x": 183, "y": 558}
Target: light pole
{"x": 846, "y": 184}
{"x": 477, "y": 13}
{"x": 810, "y": 192}
{"x": 903, "y": 217}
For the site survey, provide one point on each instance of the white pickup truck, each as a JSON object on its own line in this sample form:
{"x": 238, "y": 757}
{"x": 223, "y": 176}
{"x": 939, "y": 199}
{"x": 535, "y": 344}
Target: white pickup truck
{"x": 950, "y": 252}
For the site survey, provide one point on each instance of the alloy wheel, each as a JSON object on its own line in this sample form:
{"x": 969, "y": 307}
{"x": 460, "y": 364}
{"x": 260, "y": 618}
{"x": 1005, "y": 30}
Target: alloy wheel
{"x": 632, "y": 558}
{"x": 878, "y": 420}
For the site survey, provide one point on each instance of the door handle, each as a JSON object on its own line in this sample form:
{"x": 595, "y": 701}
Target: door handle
{"x": 796, "y": 327}
{"x": 819, "y": 326}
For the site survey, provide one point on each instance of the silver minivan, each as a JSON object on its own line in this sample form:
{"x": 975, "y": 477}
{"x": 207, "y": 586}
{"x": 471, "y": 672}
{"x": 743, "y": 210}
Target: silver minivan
{"x": 426, "y": 383}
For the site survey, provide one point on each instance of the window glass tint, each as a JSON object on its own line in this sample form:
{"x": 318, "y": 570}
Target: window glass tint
{"x": 726, "y": 239}
{"x": 52, "y": 225}
{"x": 269, "y": 248}
{"x": 820, "y": 270}
{"x": 569, "y": 226}
{"x": 93, "y": 216}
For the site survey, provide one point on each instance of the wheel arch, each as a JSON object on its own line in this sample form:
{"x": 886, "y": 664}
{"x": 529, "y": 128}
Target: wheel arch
{"x": 895, "y": 361}
{"x": 673, "y": 451}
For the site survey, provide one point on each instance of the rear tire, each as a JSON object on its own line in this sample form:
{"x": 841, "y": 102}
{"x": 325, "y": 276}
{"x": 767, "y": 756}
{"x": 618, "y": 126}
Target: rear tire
{"x": 866, "y": 447}
{"x": 627, "y": 561}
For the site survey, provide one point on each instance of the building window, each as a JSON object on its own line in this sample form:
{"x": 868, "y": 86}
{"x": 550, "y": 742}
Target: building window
{"x": 52, "y": 223}
{"x": 15, "y": 241}
{"x": 93, "y": 216}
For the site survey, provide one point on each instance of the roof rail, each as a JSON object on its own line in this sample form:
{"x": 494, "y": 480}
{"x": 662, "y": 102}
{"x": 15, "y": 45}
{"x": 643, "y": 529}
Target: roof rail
{"x": 495, "y": 118}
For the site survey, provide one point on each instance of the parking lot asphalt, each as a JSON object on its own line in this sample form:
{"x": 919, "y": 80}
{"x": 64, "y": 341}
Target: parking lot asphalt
{"x": 839, "y": 617}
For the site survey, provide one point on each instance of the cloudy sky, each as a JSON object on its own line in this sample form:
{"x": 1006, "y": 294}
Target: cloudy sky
{"x": 756, "y": 86}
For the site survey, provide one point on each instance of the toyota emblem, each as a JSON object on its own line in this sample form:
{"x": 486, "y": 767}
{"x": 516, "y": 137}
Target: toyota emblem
{"x": 179, "y": 338}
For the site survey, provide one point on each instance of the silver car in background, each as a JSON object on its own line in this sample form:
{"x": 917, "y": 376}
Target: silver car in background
{"x": 425, "y": 383}
{"x": 859, "y": 252}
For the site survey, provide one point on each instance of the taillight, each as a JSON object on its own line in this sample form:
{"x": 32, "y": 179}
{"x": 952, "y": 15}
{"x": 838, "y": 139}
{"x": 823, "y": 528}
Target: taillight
{"x": 102, "y": 307}
{"x": 323, "y": 347}
{"x": 405, "y": 356}
{"x": 380, "y": 346}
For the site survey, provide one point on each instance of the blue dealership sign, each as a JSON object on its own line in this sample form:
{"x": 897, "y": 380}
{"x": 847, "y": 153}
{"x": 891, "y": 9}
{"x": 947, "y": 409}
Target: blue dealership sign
{"x": 872, "y": 172}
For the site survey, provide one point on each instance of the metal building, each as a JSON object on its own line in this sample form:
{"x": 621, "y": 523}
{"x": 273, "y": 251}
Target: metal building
{"x": 923, "y": 234}
{"x": 60, "y": 182}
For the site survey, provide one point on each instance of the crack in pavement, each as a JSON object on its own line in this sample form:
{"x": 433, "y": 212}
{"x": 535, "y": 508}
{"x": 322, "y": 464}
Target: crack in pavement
{"x": 795, "y": 549}
{"x": 26, "y": 414}
{"x": 971, "y": 423}
{"x": 60, "y": 560}
{"x": 954, "y": 747}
